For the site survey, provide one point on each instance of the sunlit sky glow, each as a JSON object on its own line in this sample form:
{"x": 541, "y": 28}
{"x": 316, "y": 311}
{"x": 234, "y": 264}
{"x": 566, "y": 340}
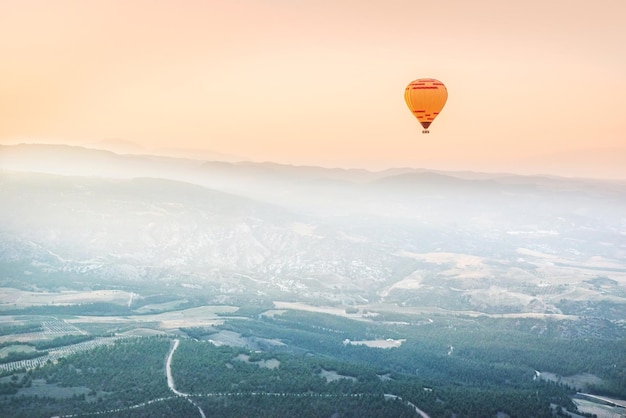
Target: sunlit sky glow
{"x": 318, "y": 82}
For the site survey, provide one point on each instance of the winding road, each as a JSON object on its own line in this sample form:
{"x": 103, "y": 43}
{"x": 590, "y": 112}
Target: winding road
{"x": 411, "y": 404}
{"x": 187, "y": 396}
{"x": 170, "y": 379}
{"x": 170, "y": 384}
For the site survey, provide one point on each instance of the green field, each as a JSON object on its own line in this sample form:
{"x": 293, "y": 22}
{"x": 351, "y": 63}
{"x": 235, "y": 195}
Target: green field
{"x": 18, "y": 348}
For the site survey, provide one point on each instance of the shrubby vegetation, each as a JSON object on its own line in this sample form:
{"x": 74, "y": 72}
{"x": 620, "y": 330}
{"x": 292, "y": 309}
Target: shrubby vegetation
{"x": 117, "y": 376}
{"x": 448, "y": 366}
{"x": 477, "y": 351}
{"x": 198, "y": 333}
{"x": 60, "y": 341}
{"x": 20, "y": 329}
{"x": 168, "y": 408}
{"x": 289, "y": 406}
{"x": 606, "y": 309}
{"x": 89, "y": 309}
{"x": 40, "y": 347}
{"x": 203, "y": 368}
{"x": 21, "y": 355}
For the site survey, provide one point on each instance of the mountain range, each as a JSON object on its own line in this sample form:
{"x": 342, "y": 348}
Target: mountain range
{"x": 74, "y": 217}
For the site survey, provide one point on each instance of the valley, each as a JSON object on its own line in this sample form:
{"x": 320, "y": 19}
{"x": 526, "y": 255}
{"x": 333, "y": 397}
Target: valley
{"x": 448, "y": 290}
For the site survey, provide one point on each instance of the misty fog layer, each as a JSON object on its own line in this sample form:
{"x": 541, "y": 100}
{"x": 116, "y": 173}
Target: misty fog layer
{"x": 461, "y": 241}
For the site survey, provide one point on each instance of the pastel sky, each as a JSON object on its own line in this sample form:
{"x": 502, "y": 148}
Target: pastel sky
{"x": 318, "y": 82}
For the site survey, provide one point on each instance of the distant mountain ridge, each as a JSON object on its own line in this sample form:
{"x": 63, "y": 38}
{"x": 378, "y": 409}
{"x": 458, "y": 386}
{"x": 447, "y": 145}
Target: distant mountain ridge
{"x": 297, "y": 187}
{"x": 68, "y": 159}
{"x": 302, "y": 188}
{"x": 462, "y": 240}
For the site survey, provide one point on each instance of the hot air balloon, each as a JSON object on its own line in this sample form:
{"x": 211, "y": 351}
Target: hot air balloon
{"x": 425, "y": 98}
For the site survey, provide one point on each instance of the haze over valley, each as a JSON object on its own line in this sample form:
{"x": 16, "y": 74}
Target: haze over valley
{"x": 109, "y": 247}
{"x": 325, "y": 209}
{"x": 454, "y": 240}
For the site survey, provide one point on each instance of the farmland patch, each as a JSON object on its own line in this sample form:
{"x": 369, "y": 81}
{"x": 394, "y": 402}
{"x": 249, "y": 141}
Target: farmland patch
{"x": 333, "y": 376}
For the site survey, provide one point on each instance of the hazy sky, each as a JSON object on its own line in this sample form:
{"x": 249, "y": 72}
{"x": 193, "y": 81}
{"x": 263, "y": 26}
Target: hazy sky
{"x": 317, "y": 82}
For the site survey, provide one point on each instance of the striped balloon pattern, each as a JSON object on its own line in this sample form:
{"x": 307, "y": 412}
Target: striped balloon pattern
{"x": 425, "y": 98}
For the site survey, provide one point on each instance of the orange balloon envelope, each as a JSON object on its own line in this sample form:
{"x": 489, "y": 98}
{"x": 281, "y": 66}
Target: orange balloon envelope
{"x": 425, "y": 98}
